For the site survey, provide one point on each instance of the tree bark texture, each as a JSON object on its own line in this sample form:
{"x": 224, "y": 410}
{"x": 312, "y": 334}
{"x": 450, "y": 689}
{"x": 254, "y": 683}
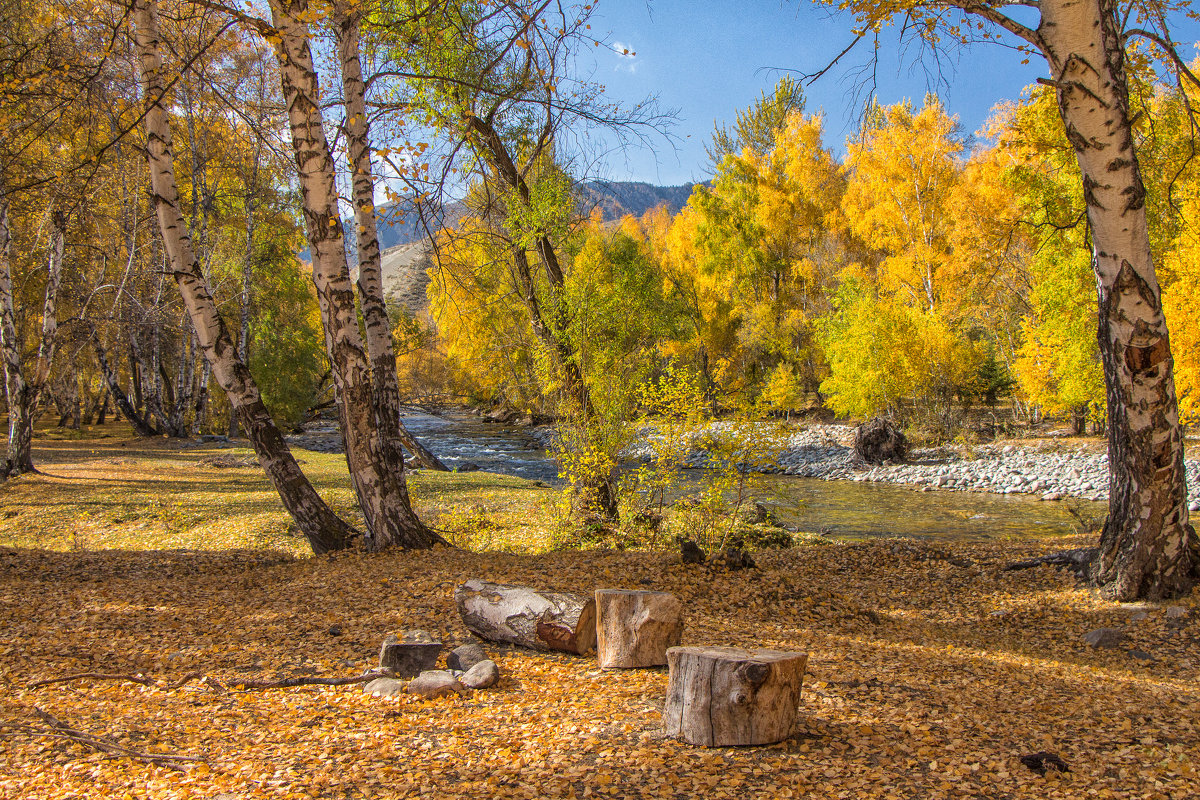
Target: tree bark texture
{"x": 375, "y": 470}
{"x": 1148, "y": 549}
{"x": 528, "y": 617}
{"x": 636, "y": 628}
{"x": 140, "y": 425}
{"x": 24, "y": 394}
{"x": 727, "y": 696}
{"x": 324, "y": 530}
{"x": 377, "y": 327}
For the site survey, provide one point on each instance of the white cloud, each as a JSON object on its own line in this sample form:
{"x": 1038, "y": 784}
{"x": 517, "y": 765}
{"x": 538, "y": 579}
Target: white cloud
{"x": 626, "y": 57}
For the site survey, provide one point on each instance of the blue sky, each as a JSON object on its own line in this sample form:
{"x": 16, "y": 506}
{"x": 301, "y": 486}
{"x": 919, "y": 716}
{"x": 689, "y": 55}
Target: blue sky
{"x": 709, "y": 58}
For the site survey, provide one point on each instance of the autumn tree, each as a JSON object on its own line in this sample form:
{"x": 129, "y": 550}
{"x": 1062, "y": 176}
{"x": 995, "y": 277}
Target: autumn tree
{"x": 1148, "y": 549}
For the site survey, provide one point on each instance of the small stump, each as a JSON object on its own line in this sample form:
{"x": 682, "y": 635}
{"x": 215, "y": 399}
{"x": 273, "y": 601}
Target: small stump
{"x": 722, "y": 696}
{"x": 410, "y": 654}
{"x": 635, "y": 628}
{"x": 528, "y": 617}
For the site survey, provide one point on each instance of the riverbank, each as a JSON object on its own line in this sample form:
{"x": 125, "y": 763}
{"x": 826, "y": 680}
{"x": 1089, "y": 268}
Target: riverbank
{"x": 1051, "y": 469}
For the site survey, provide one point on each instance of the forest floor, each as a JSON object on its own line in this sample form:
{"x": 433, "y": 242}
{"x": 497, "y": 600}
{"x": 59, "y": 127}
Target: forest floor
{"x": 931, "y": 671}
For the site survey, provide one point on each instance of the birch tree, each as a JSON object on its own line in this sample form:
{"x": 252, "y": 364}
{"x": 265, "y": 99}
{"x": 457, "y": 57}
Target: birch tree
{"x": 1148, "y": 550}
{"x": 324, "y": 529}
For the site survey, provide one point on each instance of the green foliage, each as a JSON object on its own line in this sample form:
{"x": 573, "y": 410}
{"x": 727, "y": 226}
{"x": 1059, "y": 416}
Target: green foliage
{"x": 287, "y": 357}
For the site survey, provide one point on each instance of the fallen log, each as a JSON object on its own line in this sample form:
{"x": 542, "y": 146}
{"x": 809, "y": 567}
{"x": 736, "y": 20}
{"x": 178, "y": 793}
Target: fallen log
{"x": 723, "y": 696}
{"x": 528, "y": 617}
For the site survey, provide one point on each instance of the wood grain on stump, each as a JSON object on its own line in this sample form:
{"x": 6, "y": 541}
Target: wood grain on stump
{"x": 528, "y": 617}
{"x": 722, "y": 696}
{"x": 635, "y": 628}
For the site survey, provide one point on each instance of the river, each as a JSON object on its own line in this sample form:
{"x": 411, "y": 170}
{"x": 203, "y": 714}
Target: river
{"x": 837, "y": 508}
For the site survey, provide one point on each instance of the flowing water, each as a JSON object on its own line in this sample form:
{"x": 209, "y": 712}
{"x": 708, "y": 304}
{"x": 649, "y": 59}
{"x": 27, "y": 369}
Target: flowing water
{"x": 842, "y": 509}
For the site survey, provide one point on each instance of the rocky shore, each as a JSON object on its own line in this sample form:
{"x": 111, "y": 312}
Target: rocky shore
{"x": 1053, "y": 469}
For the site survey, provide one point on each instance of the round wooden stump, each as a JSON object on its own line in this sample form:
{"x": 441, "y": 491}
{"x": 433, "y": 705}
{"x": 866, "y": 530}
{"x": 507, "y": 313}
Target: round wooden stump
{"x": 722, "y": 696}
{"x": 635, "y": 628}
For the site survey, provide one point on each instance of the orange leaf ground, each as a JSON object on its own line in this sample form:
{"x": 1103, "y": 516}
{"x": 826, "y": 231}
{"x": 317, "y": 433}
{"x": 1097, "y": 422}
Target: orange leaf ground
{"x": 927, "y": 679}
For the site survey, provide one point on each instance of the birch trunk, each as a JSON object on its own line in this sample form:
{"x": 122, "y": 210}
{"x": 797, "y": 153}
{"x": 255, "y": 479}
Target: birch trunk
{"x": 23, "y": 395}
{"x": 376, "y": 471}
{"x": 140, "y": 426}
{"x": 1148, "y": 549}
{"x": 378, "y": 329}
{"x": 324, "y": 530}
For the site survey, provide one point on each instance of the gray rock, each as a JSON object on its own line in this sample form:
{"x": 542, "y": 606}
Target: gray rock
{"x": 410, "y": 653}
{"x": 384, "y": 687}
{"x": 435, "y": 683}
{"x": 465, "y": 656}
{"x": 1176, "y": 612}
{"x": 1140, "y": 616}
{"x": 1104, "y": 637}
{"x": 1141, "y": 655}
{"x": 482, "y": 675}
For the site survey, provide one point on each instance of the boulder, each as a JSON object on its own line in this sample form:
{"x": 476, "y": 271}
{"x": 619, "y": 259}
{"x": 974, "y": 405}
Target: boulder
{"x": 410, "y": 653}
{"x": 466, "y": 656}
{"x": 880, "y": 440}
{"x": 384, "y": 687}
{"x": 1104, "y": 637}
{"x": 483, "y": 675}
{"x": 435, "y": 683}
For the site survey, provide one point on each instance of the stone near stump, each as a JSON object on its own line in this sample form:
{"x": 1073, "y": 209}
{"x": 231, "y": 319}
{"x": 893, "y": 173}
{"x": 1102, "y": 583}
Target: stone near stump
{"x": 1176, "y": 612}
{"x": 879, "y": 440}
{"x": 528, "y": 617}
{"x": 690, "y": 552}
{"x": 483, "y": 675}
{"x": 435, "y": 683}
{"x": 725, "y": 696}
{"x": 384, "y": 687}
{"x": 410, "y": 653}
{"x": 1104, "y": 637}
{"x": 634, "y": 628}
{"x": 466, "y": 656}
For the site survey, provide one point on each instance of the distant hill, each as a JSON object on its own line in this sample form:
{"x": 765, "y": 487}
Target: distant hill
{"x": 406, "y": 259}
{"x": 615, "y": 199}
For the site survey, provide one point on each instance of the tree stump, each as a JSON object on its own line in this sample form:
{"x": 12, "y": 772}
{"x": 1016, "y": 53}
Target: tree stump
{"x": 880, "y": 440}
{"x": 528, "y": 617}
{"x": 635, "y": 628}
{"x": 722, "y": 696}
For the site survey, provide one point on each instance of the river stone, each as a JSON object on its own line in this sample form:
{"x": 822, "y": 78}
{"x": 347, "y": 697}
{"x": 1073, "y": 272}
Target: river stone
{"x": 434, "y": 683}
{"x": 1104, "y": 637}
{"x": 483, "y": 675}
{"x": 384, "y": 687}
{"x": 410, "y": 653}
{"x": 465, "y": 656}
{"x": 1176, "y": 612}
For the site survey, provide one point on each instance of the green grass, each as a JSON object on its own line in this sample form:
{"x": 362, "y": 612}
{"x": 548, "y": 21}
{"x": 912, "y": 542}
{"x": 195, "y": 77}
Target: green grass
{"x": 103, "y": 489}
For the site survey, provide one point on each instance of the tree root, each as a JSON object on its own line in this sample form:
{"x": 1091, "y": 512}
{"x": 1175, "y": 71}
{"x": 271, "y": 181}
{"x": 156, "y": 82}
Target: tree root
{"x": 1078, "y": 561}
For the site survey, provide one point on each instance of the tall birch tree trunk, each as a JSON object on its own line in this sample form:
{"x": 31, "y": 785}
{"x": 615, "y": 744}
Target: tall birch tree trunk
{"x": 1148, "y": 549}
{"x": 378, "y": 329}
{"x": 375, "y": 468}
{"x": 24, "y": 394}
{"x": 324, "y": 530}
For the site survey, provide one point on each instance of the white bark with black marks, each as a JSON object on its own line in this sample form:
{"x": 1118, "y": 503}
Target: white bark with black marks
{"x": 324, "y": 530}
{"x": 375, "y": 470}
{"x": 1148, "y": 549}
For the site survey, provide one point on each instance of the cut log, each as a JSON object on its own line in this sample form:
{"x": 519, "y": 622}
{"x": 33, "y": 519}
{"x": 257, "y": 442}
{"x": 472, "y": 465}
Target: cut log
{"x": 723, "y": 696}
{"x": 635, "y": 628}
{"x": 528, "y": 617}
